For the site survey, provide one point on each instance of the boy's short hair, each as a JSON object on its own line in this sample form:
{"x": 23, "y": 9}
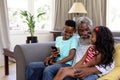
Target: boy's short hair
{"x": 70, "y": 23}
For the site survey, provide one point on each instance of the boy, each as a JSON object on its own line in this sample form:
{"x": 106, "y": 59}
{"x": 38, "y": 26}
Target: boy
{"x": 67, "y": 45}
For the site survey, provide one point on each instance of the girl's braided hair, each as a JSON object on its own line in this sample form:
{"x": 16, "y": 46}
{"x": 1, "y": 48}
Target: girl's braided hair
{"x": 104, "y": 44}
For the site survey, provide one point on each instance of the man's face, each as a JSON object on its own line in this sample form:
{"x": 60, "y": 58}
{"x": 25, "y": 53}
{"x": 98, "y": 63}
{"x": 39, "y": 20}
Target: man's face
{"x": 68, "y": 32}
{"x": 84, "y": 31}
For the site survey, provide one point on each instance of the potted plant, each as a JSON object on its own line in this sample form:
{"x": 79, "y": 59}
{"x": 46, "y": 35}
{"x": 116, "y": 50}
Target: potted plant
{"x": 29, "y": 19}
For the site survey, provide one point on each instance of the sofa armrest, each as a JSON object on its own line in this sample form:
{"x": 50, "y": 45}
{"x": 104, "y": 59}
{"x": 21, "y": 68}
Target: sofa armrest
{"x": 27, "y": 53}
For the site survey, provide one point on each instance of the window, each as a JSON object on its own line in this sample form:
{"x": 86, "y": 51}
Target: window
{"x": 18, "y": 29}
{"x": 33, "y": 6}
{"x": 113, "y": 15}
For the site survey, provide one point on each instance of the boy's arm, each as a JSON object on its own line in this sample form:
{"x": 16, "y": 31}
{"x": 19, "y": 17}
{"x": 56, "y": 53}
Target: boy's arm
{"x": 73, "y": 47}
{"x": 69, "y": 57}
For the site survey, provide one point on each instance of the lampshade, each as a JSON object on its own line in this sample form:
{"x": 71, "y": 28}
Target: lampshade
{"x": 77, "y": 7}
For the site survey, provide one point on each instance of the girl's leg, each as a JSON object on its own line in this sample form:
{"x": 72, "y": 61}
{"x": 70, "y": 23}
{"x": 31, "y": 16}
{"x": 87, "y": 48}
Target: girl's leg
{"x": 50, "y": 71}
{"x": 64, "y": 72}
{"x": 58, "y": 75}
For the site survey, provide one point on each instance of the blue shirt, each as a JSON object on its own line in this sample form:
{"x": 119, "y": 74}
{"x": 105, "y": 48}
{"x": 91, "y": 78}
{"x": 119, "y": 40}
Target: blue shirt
{"x": 65, "y": 46}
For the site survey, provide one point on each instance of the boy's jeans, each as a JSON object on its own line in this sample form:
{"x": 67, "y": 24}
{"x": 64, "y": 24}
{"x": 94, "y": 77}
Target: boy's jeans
{"x": 38, "y": 71}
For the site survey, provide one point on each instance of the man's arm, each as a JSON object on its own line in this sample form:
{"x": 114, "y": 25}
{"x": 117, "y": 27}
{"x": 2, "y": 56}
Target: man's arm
{"x": 100, "y": 70}
{"x": 88, "y": 71}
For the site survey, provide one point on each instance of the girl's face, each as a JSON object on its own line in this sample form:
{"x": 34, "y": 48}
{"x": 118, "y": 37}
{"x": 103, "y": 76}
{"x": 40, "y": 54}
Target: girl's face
{"x": 93, "y": 38}
{"x": 68, "y": 32}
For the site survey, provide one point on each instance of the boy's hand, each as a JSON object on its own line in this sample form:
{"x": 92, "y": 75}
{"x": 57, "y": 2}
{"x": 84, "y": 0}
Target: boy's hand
{"x": 55, "y": 54}
{"x": 46, "y": 61}
{"x": 55, "y": 51}
{"x": 51, "y": 62}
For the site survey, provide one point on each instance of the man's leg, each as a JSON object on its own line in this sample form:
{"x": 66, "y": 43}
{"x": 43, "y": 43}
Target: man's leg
{"x": 34, "y": 70}
{"x": 91, "y": 77}
{"x": 69, "y": 78}
{"x": 50, "y": 71}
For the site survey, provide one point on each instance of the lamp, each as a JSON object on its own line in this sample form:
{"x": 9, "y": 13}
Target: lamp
{"x": 77, "y": 8}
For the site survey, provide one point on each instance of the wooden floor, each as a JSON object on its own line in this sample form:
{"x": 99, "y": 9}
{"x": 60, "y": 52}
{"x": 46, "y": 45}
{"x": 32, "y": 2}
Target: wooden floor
{"x": 12, "y": 72}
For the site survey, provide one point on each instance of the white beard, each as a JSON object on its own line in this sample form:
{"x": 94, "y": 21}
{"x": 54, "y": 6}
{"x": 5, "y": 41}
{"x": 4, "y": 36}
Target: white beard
{"x": 84, "y": 41}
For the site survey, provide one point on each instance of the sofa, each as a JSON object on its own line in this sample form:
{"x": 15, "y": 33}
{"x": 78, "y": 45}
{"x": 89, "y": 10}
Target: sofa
{"x": 27, "y": 53}
{"x": 115, "y": 73}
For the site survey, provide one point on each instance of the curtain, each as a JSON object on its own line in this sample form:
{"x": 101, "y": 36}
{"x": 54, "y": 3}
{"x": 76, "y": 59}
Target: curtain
{"x": 4, "y": 38}
{"x": 96, "y": 11}
{"x": 61, "y": 13}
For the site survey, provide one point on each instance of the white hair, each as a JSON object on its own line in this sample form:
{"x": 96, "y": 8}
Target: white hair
{"x": 85, "y": 19}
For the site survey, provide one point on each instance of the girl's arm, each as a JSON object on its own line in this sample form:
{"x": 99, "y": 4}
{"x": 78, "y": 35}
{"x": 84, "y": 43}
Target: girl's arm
{"x": 95, "y": 61}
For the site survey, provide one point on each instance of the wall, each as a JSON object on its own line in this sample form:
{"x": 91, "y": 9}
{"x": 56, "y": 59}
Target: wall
{"x": 20, "y": 37}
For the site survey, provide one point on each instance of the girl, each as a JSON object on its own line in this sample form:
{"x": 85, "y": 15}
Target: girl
{"x": 99, "y": 53}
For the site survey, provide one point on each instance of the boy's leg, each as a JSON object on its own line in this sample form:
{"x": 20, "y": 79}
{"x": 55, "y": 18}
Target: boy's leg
{"x": 34, "y": 70}
{"x": 91, "y": 77}
{"x": 51, "y": 71}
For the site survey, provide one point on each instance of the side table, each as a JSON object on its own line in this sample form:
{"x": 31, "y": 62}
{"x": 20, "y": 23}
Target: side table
{"x": 56, "y": 33}
{"x": 7, "y": 53}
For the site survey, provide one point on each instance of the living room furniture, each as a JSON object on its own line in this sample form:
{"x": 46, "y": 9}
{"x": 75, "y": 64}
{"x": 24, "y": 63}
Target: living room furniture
{"x": 27, "y": 53}
{"x": 7, "y": 53}
{"x": 115, "y": 73}
{"x": 56, "y": 33}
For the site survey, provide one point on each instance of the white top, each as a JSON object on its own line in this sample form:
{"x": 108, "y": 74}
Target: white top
{"x": 80, "y": 53}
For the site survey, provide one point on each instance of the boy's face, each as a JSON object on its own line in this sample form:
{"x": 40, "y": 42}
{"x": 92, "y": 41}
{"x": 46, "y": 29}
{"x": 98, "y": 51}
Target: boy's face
{"x": 93, "y": 38}
{"x": 68, "y": 32}
{"x": 84, "y": 31}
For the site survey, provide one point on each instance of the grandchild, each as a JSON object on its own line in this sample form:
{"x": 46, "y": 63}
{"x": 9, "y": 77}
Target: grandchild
{"x": 67, "y": 45}
{"x": 100, "y": 53}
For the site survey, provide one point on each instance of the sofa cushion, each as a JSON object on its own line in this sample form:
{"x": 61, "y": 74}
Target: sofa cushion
{"x": 117, "y": 55}
{"x": 113, "y": 75}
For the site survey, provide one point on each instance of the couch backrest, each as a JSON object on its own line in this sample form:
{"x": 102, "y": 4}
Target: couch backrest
{"x": 33, "y": 52}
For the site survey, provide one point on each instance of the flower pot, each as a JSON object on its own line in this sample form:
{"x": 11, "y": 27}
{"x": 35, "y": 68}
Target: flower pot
{"x": 31, "y": 39}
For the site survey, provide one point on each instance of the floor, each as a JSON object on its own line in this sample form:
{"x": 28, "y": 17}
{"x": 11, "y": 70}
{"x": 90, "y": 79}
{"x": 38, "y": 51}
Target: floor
{"x": 12, "y": 72}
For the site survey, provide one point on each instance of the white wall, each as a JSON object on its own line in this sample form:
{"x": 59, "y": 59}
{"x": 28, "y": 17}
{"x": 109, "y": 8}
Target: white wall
{"x": 20, "y": 37}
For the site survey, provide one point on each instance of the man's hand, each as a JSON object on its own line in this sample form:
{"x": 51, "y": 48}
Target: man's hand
{"x": 84, "y": 72}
